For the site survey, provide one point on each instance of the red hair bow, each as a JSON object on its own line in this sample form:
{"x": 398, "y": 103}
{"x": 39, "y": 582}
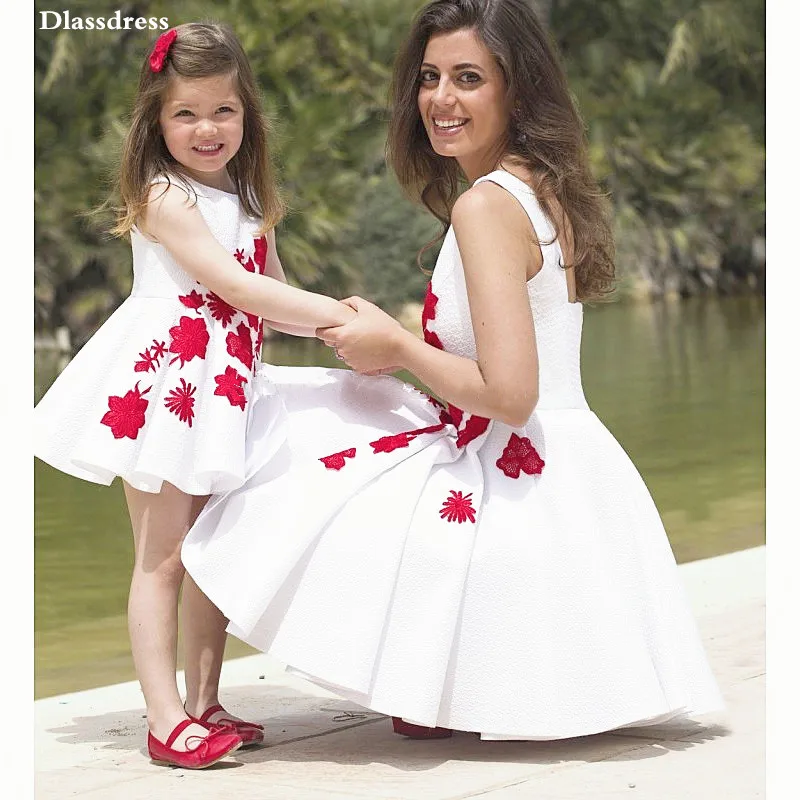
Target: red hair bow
{"x": 161, "y": 49}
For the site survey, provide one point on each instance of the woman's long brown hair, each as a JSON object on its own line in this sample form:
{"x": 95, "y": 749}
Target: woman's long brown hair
{"x": 546, "y": 134}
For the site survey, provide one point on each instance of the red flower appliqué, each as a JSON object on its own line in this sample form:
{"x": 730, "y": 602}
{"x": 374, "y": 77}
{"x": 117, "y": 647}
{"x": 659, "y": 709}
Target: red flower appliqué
{"x": 240, "y": 345}
{"x": 458, "y": 508}
{"x": 192, "y": 300}
{"x": 386, "y": 444}
{"x": 180, "y": 401}
{"x": 428, "y": 314}
{"x": 125, "y": 415}
{"x": 231, "y": 385}
{"x": 189, "y": 339}
{"x": 260, "y": 254}
{"x": 220, "y": 310}
{"x": 150, "y": 357}
{"x": 336, "y": 461}
{"x": 520, "y": 456}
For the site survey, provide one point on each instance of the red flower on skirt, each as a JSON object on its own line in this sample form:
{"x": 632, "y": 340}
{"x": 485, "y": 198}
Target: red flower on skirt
{"x": 240, "y": 345}
{"x": 189, "y": 339}
{"x": 231, "y": 385}
{"x": 125, "y": 415}
{"x": 336, "y": 461}
{"x": 260, "y": 255}
{"x": 180, "y": 401}
{"x": 386, "y": 444}
{"x": 520, "y": 456}
{"x": 458, "y": 508}
{"x": 220, "y": 310}
{"x": 192, "y": 300}
{"x": 239, "y": 256}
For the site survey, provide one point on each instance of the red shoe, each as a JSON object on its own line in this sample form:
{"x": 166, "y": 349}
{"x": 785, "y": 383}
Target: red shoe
{"x": 219, "y": 743}
{"x": 419, "y": 731}
{"x": 250, "y": 733}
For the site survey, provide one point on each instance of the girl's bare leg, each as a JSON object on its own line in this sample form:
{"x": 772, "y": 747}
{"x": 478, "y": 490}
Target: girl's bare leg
{"x": 159, "y": 522}
{"x": 204, "y": 646}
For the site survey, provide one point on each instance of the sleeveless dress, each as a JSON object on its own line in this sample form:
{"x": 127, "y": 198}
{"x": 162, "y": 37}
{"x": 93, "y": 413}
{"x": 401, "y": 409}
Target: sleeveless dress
{"x": 163, "y": 390}
{"x": 451, "y": 570}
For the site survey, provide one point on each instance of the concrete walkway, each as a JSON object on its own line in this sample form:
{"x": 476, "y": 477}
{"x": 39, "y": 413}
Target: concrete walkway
{"x": 91, "y": 744}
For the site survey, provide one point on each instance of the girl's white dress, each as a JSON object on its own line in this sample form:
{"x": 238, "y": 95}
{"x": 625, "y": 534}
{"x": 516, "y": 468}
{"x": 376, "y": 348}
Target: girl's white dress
{"x": 164, "y": 389}
{"x": 454, "y": 571}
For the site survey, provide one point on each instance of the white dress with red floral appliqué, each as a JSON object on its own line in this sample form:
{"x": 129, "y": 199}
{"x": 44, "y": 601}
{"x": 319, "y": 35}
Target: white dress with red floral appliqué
{"x": 448, "y": 569}
{"x": 163, "y": 390}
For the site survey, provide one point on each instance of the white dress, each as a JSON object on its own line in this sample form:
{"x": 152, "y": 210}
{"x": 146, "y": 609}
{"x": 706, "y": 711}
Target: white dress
{"x": 454, "y": 571}
{"x": 163, "y": 390}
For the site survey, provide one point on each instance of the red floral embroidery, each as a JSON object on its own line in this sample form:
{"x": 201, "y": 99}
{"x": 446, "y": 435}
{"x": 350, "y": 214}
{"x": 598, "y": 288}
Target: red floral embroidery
{"x": 150, "y": 357}
{"x": 249, "y": 265}
{"x": 239, "y": 256}
{"x": 429, "y": 306}
{"x": 253, "y": 320}
{"x": 180, "y": 401}
{"x": 458, "y": 508}
{"x": 520, "y": 455}
{"x": 240, "y": 345}
{"x": 472, "y": 430}
{"x": 260, "y": 255}
{"x": 259, "y": 339}
{"x": 220, "y": 310}
{"x": 192, "y": 300}
{"x": 147, "y": 362}
{"x": 231, "y": 385}
{"x": 189, "y": 339}
{"x": 429, "y": 313}
{"x": 125, "y": 415}
{"x": 388, "y": 443}
{"x": 336, "y": 461}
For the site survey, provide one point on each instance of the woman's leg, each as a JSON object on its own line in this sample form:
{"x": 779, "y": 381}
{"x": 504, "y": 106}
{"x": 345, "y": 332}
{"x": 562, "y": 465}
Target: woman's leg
{"x": 159, "y": 522}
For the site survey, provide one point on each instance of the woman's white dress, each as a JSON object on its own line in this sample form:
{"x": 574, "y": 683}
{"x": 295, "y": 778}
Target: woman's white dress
{"x": 163, "y": 390}
{"x": 454, "y": 571}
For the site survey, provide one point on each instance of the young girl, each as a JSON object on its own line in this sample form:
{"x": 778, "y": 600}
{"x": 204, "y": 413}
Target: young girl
{"x": 161, "y": 395}
{"x": 496, "y": 564}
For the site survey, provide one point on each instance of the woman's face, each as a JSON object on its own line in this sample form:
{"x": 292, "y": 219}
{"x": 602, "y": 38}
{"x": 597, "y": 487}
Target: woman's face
{"x": 462, "y": 101}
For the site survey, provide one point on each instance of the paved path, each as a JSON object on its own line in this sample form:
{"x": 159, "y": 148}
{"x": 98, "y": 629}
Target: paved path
{"x": 91, "y": 744}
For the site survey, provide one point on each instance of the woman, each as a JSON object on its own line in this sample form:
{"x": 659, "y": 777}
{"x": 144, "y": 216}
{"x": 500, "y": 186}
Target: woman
{"x": 494, "y": 564}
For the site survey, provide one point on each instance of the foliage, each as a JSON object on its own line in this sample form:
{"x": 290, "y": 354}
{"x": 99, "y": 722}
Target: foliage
{"x": 672, "y": 92}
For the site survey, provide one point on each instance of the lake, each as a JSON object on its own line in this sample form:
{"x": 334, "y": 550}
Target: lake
{"x": 680, "y": 384}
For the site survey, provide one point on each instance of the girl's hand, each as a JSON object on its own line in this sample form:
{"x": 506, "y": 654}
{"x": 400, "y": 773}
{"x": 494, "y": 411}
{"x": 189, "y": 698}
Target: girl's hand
{"x": 370, "y": 344}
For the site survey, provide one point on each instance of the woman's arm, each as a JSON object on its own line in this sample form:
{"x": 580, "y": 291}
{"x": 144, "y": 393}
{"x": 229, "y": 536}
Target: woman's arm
{"x": 173, "y": 221}
{"x": 495, "y": 240}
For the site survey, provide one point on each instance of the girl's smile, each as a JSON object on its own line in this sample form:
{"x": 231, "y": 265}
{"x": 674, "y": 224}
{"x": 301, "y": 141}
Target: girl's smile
{"x": 202, "y": 122}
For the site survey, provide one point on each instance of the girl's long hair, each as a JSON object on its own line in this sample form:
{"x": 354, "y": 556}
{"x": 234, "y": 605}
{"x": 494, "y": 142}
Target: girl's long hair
{"x": 201, "y": 50}
{"x": 546, "y": 134}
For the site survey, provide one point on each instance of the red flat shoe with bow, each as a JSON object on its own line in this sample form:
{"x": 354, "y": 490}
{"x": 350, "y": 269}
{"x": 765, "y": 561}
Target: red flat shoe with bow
{"x": 419, "y": 731}
{"x": 250, "y": 732}
{"x": 218, "y": 743}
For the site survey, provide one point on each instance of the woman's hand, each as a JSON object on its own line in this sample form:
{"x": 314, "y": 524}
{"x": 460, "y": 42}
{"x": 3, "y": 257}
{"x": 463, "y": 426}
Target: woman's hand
{"x": 370, "y": 344}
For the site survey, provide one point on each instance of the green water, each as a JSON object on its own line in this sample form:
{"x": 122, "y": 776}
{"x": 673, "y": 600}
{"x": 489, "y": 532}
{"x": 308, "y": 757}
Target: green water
{"x": 680, "y": 385}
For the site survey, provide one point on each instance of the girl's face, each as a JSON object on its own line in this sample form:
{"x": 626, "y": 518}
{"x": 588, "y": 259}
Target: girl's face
{"x": 202, "y": 121}
{"x": 462, "y": 101}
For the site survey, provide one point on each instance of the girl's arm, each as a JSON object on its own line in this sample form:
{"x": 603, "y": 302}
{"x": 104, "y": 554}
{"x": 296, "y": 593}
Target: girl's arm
{"x": 275, "y": 270}
{"x": 496, "y": 243}
{"x": 173, "y": 221}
